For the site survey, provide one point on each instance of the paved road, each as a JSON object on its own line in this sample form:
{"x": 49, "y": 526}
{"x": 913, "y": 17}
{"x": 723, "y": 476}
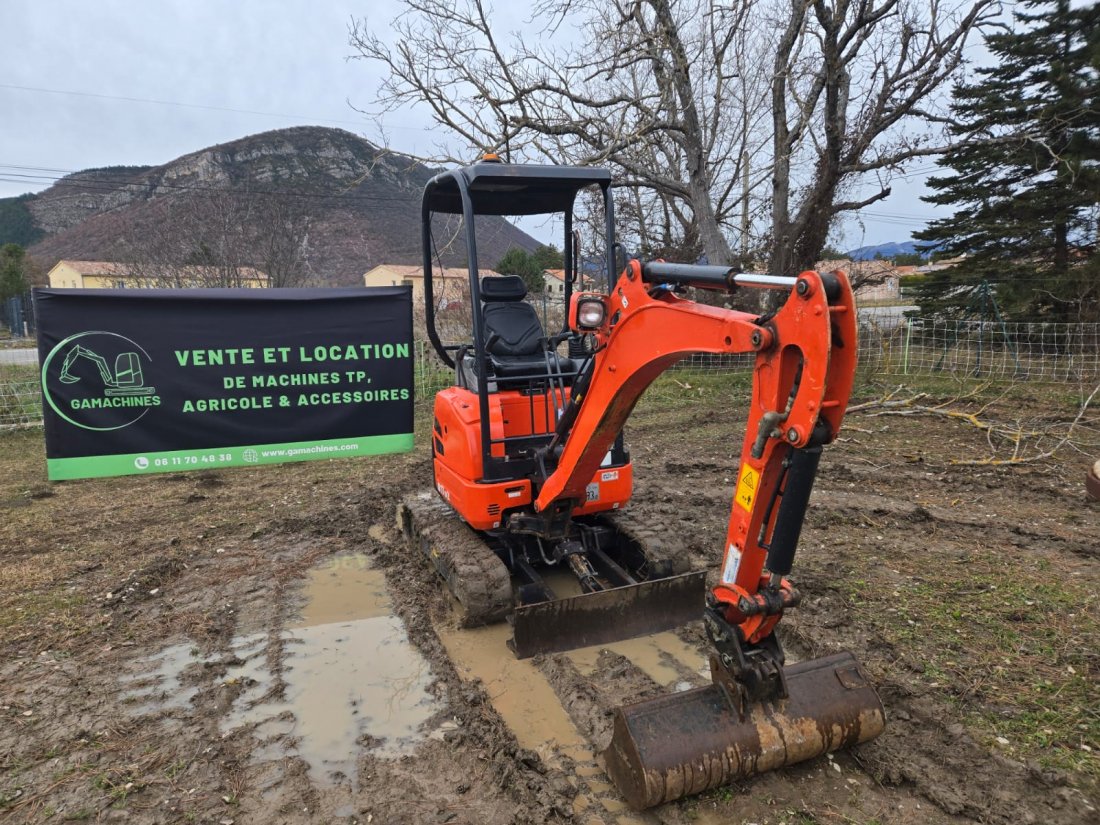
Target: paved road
{"x": 18, "y": 356}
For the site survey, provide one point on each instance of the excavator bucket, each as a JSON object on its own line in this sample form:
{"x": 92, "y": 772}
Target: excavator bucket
{"x": 685, "y": 743}
{"x": 608, "y": 615}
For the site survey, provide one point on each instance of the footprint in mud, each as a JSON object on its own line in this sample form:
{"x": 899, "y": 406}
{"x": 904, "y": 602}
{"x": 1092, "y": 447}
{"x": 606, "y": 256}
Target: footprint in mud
{"x": 380, "y": 533}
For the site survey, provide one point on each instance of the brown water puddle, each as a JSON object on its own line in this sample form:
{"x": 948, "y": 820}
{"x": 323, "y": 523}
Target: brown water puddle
{"x": 527, "y": 703}
{"x": 158, "y": 683}
{"x": 518, "y": 690}
{"x": 663, "y": 657}
{"x": 340, "y": 679}
{"x": 351, "y": 679}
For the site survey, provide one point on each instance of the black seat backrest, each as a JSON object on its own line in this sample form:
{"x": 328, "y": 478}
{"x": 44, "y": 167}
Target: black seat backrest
{"x": 511, "y": 326}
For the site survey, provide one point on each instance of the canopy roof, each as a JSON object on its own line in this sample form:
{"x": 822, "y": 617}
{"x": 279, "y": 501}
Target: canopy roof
{"x": 512, "y": 189}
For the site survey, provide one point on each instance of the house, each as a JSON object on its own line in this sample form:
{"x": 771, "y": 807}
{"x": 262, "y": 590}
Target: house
{"x": 450, "y": 284}
{"x": 943, "y": 263}
{"x": 554, "y": 280}
{"x": 112, "y": 275}
{"x": 872, "y": 281}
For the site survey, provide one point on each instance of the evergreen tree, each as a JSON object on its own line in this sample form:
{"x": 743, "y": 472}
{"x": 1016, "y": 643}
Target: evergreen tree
{"x": 529, "y": 266}
{"x": 909, "y": 259}
{"x": 547, "y": 256}
{"x": 13, "y": 271}
{"x": 17, "y": 223}
{"x": 1025, "y": 177}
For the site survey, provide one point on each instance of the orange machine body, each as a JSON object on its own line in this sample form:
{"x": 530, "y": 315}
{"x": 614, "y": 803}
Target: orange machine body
{"x": 457, "y": 450}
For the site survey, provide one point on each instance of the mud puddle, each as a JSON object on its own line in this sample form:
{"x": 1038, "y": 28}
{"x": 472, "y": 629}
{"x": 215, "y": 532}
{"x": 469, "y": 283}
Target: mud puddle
{"x": 340, "y": 679}
{"x": 663, "y": 657}
{"x": 159, "y": 683}
{"x": 537, "y": 713}
{"x": 527, "y": 702}
{"x": 349, "y": 678}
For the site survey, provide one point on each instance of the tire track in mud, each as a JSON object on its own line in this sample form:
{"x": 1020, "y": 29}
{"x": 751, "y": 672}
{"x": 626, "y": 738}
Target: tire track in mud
{"x": 550, "y": 771}
{"x": 475, "y": 772}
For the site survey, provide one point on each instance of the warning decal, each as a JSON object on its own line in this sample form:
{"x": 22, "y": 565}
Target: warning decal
{"x": 747, "y": 484}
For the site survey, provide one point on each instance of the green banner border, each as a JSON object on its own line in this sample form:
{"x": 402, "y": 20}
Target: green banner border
{"x": 213, "y": 458}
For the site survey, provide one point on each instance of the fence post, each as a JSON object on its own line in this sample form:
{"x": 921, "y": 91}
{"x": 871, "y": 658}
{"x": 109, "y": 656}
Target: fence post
{"x": 905, "y": 349}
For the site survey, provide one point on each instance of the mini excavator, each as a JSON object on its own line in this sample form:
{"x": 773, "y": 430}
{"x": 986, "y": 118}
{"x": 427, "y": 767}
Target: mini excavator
{"x": 533, "y": 477}
{"x": 126, "y": 380}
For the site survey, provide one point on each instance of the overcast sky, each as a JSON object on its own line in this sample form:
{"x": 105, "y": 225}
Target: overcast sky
{"x": 276, "y": 63}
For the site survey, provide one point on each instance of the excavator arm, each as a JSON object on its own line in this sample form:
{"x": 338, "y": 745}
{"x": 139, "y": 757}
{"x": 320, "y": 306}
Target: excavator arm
{"x": 83, "y": 352}
{"x": 805, "y": 357}
{"x": 756, "y": 714}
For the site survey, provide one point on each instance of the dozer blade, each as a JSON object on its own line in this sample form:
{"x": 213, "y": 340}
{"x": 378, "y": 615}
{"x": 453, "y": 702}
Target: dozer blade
{"x": 608, "y": 615}
{"x": 685, "y": 743}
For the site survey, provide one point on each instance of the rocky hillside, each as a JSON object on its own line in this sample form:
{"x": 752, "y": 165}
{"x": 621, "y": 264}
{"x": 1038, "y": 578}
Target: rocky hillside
{"x": 362, "y": 204}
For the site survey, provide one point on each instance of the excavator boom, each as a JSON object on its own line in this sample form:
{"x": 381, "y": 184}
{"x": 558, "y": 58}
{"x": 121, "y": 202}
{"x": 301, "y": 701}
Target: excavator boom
{"x": 83, "y": 352}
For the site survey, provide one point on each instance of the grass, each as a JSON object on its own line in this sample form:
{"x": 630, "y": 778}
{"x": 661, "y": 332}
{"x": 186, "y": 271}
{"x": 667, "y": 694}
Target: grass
{"x": 1007, "y": 638}
{"x": 20, "y": 399}
{"x": 689, "y": 387}
{"x": 1010, "y": 642}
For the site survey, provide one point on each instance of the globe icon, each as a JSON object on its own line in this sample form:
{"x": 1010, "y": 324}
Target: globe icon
{"x": 250, "y": 456}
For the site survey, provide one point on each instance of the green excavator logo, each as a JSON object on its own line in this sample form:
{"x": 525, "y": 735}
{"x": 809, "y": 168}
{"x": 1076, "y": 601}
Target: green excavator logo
{"x": 95, "y": 380}
{"x": 126, "y": 380}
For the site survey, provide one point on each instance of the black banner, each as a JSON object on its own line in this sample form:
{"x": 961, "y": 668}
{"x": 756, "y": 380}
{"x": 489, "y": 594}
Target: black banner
{"x": 161, "y": 380}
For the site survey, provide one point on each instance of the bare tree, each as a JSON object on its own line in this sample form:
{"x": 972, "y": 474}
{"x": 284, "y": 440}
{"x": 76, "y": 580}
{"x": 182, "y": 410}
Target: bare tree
{"x": 757, "y": 120}
{"x": 277, "y": 237}
{"x": 220, "y": 238}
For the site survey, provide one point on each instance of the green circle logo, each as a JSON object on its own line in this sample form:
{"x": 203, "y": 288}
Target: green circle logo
{"x": 97, "y": 380}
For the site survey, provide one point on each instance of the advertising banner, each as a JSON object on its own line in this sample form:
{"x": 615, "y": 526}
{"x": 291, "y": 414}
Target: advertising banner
{"x": 163, "y": 380}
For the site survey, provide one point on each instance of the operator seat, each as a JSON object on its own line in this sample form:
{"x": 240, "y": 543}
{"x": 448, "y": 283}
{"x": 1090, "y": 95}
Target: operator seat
{"x": 514, "y": 337}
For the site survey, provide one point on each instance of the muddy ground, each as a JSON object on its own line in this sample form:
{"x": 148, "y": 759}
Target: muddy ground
{"x": 260, "y": 646}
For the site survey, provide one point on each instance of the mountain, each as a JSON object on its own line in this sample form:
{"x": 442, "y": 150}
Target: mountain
{"x": 360, "y": 204}
{"x": 887, "y": 251}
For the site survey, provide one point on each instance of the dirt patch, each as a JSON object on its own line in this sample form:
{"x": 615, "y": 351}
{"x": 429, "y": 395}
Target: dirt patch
{"x": 152, "y": 634}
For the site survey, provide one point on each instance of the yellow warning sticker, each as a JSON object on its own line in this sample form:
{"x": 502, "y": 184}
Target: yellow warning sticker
{"x": 747, "y": 484}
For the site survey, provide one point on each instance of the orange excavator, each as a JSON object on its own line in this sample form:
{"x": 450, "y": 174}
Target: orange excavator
{"x": 533, "y": 478}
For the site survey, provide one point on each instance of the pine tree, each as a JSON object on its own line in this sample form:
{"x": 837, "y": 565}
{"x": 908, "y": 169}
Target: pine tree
{"x": 1025, "y": 176}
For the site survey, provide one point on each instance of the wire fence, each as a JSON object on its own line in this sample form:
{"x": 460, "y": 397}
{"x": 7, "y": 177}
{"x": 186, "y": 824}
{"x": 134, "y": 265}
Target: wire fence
{"x": 20, "y": 395}
{"x": 987, "y": 350}
{"x": 893, "y": 345}
{"x": 889, "y": 345}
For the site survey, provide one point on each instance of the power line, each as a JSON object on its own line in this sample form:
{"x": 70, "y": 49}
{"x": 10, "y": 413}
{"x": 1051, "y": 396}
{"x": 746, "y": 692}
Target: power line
{"x": 101, "y": 185}
{"x": 181, "y": 105}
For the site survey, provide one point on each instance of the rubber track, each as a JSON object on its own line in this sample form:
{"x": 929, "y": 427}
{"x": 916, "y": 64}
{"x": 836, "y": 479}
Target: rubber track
{"x": 651, "y": 535}
{"x": 476, "y": 577}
